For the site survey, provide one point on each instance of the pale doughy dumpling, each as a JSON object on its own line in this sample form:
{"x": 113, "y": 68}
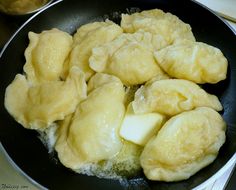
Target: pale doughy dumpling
{"x": 127, "y": 162}
{"x": 46, "y": 54}
{"x": 195, "y": 61}
{"x": 166, "y": 28}
{"x": 84, "y": 30}
{"x": 172, "y": 96}
{"x": 157, "y": 78}
{"x": 92, "y": 134}
{"x": 184, "y": 145}
{"x": 129, "y": 57}
{"x": 38, "y": 106}
{"x": 88, "y": 37}
{"x": 100, "y": 79}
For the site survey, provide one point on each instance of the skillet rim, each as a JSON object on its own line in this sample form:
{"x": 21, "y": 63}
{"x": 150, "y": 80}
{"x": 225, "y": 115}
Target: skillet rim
{"x": 214, "y": 13}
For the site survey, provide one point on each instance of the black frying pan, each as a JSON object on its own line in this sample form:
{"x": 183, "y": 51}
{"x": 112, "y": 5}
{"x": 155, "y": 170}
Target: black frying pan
{"x": 27, "y": 151}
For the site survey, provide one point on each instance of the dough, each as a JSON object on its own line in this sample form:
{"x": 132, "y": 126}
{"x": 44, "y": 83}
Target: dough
{"x": 46, "y": 54}
{"x": 37, "y": 107}
{"x": 172, "y": 96}
{"x": 129, "y": 57}
{"x": 88, "y": 37}
{"x": 92, "y": 134}
{"x": 166, "y": 28}
{"x": 195, "y": 61}
{"x": 184, "y": 145}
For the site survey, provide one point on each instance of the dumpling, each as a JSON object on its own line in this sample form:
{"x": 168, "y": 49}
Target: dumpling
{"x": 37, "y": 107}
{"x": 157, "y": 78}
{"x": 184, "y": 145}
{"x": 84, "y": 30}
{"x": 195, "y": 61}
{"x": 128, "y": 57}
{"x": 93, "y": 134}
{"x": 127, "y": 162}
{"x": 88, "y": 37}
{"x": 46, "y": 54}
{"x": 172, "y": 96}
{"x": 100, "y": 79}
{"x": 166, "y": 28}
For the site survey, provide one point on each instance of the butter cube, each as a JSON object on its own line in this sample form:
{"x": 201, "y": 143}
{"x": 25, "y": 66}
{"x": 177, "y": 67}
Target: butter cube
{"x": 139, "y": 128}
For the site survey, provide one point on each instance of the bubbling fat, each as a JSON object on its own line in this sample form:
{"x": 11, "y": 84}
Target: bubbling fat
{"x": 48, "y": 137}
{"x": 124, "y": 165}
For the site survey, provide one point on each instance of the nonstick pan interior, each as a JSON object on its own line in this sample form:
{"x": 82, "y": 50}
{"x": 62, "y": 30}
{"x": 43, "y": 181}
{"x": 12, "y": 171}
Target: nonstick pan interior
{"x": 27, "y": 151}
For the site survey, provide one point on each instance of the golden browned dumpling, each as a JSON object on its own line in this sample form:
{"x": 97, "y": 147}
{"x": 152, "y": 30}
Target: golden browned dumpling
{"x": 172, "y": 96}
{"x": 129, "y": 57}
{"x": 88, "y": 37}
{"x": 195, "y": 61}
{"x": 38, "y": 106}
{"x": 93, "y": 131}
{"x": 46, "y": 54}
{"x": 166, "y": 28}
{"x": 184, "y": 145}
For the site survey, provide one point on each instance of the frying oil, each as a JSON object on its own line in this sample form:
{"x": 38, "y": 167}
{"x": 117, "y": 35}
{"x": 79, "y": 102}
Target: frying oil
{"x": 123, "y": 165}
